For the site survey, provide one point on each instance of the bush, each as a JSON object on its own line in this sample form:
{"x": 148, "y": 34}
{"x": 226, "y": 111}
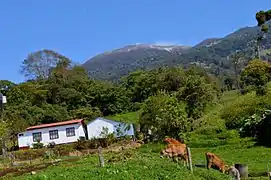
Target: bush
{"x": 110, "y": 139}
{"x": 264, "y": 134}
{"x": 63, "y": 149}
{"x": 29, "y": 154}
{"x": 81, "y": 144}
{"x": 38, "y": 145}
{"x": 51, "y": 145}
{"x": 95, "y": 142}
{"x": 49, "y": 154}
{"x": 243, "y": 107}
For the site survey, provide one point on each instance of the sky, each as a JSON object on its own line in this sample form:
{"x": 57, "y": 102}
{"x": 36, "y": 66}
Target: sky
{"x": 84, "y": 28}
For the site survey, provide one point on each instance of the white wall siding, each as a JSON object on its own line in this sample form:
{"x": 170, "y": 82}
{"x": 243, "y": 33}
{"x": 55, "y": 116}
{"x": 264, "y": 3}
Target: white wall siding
{"x": 95, "y": 127}
{"x": 27, "y": 138}
{"x": 123, "y": 129}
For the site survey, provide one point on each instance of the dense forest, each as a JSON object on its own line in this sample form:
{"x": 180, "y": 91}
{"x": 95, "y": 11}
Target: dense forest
{"x": 170, "y": 100}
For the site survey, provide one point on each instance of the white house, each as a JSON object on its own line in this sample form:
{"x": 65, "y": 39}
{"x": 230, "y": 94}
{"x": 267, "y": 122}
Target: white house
{"x": 100, "y": 125}
{"x": 59, "y": 133}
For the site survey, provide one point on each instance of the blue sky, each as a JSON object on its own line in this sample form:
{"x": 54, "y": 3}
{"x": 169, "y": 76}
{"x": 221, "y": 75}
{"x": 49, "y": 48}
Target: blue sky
{"x": 84, "y": 28}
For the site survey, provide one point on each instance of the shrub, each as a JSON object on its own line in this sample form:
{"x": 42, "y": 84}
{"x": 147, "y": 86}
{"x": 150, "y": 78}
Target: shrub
{"x": 49, "y": 154}
{"x": 94, "y": 143}
{"x": 81, "y": 144}
{"x": 110, "y": 139}
{"x": 51, "y": 145}
{"x": 63, "y": 149}
{"x": 243, "y": 107}
{"x": 264, "y": 134}
{"x": 139, "y": 136}
{"x": 38, "y": 145}
{"x": 29, "y": 154}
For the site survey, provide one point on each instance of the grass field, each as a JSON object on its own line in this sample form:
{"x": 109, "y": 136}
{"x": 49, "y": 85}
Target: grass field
{"x": 130, "y": 117}
{"x": 145, "y": 163}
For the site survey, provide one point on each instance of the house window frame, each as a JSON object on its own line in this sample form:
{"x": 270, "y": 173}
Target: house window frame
{"x": 35, "y": 135}
{"x": 53, "y": 134}
{"x": 70, "y": 132}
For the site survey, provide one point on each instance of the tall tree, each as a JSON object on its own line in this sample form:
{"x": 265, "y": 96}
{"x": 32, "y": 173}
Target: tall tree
{"x": 38, "y": 65}
{"x": 164, "y": 115}
{"x": 236, "y": 59}
{"x": 262, "y": 17}
{"x": 256, "y": 75}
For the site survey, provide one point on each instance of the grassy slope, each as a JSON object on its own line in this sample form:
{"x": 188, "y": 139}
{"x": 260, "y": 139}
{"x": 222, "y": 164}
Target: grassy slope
{"x": 130, "y": 117}
{"x": 146, "y": 164}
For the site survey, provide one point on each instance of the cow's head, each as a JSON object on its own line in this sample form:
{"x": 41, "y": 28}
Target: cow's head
{"x": 167, "y": 140}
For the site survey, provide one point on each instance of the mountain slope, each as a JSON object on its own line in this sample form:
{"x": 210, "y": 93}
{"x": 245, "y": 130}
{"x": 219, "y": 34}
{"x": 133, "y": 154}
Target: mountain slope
{"x": 120, "y": 62}
{"x": 211, "y": 53}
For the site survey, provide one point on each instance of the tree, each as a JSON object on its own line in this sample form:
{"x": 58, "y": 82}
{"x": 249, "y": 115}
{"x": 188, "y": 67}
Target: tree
{"x": 164, "y": 115}
{"x": 256, "y": 75}
{"x": 87, "y": 113}
{"x": 229, "y": 83}
{"x": 140, "y": 85}
{"x": 170, "y": 79}
{"x": 38, "y": 65}
{"x": 262, "y": 17}
{"x": 5, "y": 85}
{"x": 197, "y": 91}
{"x": 237, "y": 58}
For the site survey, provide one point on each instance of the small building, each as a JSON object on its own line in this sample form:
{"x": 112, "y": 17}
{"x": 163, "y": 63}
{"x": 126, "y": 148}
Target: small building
{"x": 59, "y": 133}
{"x": 101, "y": 126}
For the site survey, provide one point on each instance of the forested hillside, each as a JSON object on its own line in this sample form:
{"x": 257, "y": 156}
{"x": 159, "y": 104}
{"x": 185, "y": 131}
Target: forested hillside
{"x": 211, "y": 54}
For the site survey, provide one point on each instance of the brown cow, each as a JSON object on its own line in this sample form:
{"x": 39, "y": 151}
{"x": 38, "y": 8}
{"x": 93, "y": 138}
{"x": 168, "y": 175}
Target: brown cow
{"x": 172, "y": 141}
{"x": 175, "y": 149}
{"x": 215, "y": 161}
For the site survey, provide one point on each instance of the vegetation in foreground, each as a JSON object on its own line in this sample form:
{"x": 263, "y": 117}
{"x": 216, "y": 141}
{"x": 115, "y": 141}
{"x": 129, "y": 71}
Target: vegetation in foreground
{"x": 146, "y": 163}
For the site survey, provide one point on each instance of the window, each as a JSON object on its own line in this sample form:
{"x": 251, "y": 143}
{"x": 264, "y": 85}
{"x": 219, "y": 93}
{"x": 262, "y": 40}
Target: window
{"x": 70, "y": 132}
{"x": 37, "y": 137}
{"x": 53, "y": 134}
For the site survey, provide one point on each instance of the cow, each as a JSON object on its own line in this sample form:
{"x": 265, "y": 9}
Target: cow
{"x": 172, "y": 141}
{"x": 214, "y": 161}
{"x": 175, "y": 149}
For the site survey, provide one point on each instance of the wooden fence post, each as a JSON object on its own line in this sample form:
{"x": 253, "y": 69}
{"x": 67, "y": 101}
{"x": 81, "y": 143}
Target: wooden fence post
{"x": 101, "y": 158}
{"x": 12, "y": 157}
{"x": 189, "y": 158}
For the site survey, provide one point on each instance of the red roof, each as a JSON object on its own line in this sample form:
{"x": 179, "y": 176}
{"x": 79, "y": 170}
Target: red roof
{"x": 75, "y": 121}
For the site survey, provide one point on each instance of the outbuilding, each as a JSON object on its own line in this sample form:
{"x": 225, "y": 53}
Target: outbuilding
{"x": 101, "y": 126}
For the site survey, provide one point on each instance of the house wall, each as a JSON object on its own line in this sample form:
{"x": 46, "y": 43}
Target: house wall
{"x": 27, "y": 138}
{"x": 123, "y": 129}
{"x": 95, "y": 127}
